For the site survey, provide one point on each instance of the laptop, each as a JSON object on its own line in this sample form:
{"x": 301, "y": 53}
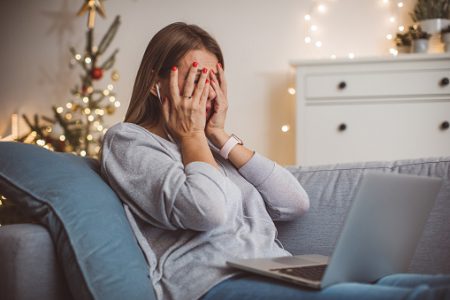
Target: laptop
{"x": 379, "y": 236}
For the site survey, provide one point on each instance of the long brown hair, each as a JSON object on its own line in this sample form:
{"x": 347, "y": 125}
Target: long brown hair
{"x": 164, "y": 50}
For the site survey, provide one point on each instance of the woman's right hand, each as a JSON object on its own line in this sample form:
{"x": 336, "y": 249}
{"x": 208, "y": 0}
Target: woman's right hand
{"x": 185, "y": 115}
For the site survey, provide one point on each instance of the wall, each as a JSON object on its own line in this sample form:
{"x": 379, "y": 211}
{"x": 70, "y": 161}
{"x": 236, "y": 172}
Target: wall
{"x": 258, "y": 39}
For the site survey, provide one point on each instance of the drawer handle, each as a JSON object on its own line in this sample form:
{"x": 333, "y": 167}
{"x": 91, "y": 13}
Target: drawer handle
{"x": 444, "y": 81}
{"x": 444, "y": 125}
{"x": 342, "y": 127}
{"x": 342, "y": 85}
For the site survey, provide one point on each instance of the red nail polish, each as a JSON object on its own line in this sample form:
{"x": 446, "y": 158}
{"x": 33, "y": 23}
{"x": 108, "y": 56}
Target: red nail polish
{"x": 174, "y": 68}
{"x": 195, "y": 64}
{"x": 207, "y": 81}
{"x": 205, "y": 70}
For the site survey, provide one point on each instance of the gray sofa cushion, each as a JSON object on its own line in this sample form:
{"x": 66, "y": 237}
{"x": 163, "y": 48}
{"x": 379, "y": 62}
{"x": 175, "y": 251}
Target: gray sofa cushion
{"x": 331, "y": 189}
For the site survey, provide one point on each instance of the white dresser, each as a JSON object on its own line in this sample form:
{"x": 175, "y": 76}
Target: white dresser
{"x": 368, "y": 109}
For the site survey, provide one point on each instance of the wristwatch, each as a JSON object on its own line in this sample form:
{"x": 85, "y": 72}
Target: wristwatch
{"x": 229, "y": 145}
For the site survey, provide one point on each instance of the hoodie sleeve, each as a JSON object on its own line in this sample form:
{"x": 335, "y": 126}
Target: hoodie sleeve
{"x": 158, "y": 187}
{"x": 285, "y": 198}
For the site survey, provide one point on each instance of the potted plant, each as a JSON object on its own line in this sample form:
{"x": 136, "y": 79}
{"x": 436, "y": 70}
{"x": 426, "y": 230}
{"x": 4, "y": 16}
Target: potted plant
{"x": 445, "y": 37}
{"x": 419, "y": 39}
{"x": 403, "y": 42}
{"x": 431, "y": 15}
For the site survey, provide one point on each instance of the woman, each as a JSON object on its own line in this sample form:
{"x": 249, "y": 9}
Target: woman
{"x": 197, "y": 195}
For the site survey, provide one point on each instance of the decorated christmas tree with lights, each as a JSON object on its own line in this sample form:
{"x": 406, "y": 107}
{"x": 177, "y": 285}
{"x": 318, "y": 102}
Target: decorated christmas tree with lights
{"x": 81, "y": 119}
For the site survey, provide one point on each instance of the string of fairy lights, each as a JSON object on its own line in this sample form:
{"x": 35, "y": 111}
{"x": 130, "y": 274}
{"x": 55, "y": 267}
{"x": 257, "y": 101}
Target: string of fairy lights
{"x": 320, "y": 7}
{"x": 312, "y": 26}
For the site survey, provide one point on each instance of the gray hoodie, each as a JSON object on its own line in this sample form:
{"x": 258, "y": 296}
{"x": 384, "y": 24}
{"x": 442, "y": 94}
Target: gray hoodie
{"x": 189, "y": 220}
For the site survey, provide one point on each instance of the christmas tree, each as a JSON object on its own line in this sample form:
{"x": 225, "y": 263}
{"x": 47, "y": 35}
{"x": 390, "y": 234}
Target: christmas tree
{"x": 81, "y": 119}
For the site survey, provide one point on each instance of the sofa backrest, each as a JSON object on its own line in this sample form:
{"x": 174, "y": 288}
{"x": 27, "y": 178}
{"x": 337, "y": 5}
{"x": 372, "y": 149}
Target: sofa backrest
{"x": 331, "y": 189}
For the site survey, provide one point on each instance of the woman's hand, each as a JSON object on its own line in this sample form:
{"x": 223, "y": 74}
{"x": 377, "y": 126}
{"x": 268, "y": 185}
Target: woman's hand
{"x": 215, "y": 127}
{"x": 185, "y": 114}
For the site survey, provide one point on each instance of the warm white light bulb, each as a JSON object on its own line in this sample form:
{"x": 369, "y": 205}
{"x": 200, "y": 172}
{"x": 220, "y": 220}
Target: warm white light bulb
{"x": 313, "y": 27}
{"x": 87, "y": 110}
{"x": 85, "y": 99}
{"x": 307, "y": 17}
{"x": 59, "y": 110}
{"x": 401, "y": 28}
{"x": 400, "y": 4}
{"x": 69, "y": 105}
{"x": 318, "y": 44}
{"x": 89, "y": 137}
{"x": 62, "y": 138}
{"x": 393, "y": 51}
{"x": 90, "y": 118}
{"x": 117, "y": 104}
{"x": 83, "y": 153}
{"x": 77, "y": 56}
{"x": 110, "y": 87}
{"x": 322, "y": 8}
{"x": 88, "y": 60}
{"x": 389, "y": 36}
{"x": 351, "y": 55}
{"x": 285, "y": 128}
{"x": 291, "y": 91}
{"x": 307, "y": 39}
{"x": 112, "y": 99}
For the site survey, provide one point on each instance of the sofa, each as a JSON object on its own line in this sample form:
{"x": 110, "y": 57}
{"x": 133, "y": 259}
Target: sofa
{"x": 33, "y": 264}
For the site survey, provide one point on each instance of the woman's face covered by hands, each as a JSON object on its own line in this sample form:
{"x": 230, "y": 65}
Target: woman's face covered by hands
{"x": 190, "y": 69}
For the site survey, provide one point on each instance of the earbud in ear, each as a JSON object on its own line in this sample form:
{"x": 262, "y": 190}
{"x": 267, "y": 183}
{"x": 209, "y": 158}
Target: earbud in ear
{"x": 157, "y": 91}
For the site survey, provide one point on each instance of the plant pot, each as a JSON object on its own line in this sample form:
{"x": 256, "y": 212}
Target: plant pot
{"x": 446, "y": 41}
{"x": 419, "y": 46}
{"x": 445, "y": 38}
{"x": 403, "y": 49}
{"x": 433, "y": 26}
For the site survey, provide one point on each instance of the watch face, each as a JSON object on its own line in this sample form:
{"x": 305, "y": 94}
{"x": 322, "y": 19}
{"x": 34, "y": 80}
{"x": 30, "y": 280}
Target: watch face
{"x": 238, "y": 139}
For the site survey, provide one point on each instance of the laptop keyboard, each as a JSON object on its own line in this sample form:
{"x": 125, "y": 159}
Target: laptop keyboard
{"x": 314, "y": 273}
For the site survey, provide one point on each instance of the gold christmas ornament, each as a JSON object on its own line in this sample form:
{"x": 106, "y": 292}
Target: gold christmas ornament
{"x": 92, "y": 6}
{"x": 115, "y": 75}
{"x": 110, "y": 109}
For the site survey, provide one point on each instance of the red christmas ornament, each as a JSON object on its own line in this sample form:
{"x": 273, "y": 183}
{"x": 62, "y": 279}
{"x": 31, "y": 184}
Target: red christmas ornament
{"x": 97, "y": 73}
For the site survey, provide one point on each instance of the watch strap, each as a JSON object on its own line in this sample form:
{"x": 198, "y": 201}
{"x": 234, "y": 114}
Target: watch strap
{"x": 229, "y": 145}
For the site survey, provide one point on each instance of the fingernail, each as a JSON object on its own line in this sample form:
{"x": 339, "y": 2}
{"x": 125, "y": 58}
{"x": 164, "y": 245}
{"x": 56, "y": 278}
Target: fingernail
{"x": 205, "y": 70}
{"x": 174, "y": 68}
{"x": 195, "y": 64}
{"x": 212, "y": 80}
{"x": 220, "y": 65}
{"x": 207, "y": 81}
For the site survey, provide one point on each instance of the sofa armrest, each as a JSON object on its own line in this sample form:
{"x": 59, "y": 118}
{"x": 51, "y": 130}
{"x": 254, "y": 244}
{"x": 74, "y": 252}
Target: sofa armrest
{"x": 28, "y": 264}
{"x": 331, "y": 189}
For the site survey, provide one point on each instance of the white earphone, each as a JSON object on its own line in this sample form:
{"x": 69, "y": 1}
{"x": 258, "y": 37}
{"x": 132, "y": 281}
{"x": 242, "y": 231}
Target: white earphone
{"x": 157, "y": 91}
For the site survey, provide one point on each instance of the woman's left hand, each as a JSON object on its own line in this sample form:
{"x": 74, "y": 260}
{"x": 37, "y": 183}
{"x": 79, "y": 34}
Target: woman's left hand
{"x": 215, "y": 125}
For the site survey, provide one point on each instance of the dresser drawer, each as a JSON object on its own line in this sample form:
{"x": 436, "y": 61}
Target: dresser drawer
{"x": 368, "y": 132}
{"x": 377, "y": 84}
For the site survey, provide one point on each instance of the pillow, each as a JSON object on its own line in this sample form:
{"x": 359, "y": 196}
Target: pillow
{"x": 95, "y": 244}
